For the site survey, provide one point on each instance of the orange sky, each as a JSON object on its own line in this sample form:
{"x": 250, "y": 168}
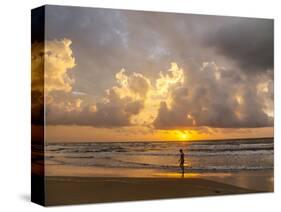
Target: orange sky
{"x": 88, "y": 134}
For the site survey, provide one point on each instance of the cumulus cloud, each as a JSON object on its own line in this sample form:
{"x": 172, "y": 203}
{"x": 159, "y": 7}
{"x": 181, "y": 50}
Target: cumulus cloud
{"x": 177, "y": 99}
{"x": 51, "y": 62}
{"x": 134, "y": 100}
{"x": 118, "y": 105}
{"x": 58, "y": 61}
{"x": 135, "y": 85}
{"x": 212, "y": 97}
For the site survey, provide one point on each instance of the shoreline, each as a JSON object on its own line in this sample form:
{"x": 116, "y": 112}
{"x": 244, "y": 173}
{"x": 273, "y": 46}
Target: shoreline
{"x": 81, "y": 190}
{"x": 258, "y": 180}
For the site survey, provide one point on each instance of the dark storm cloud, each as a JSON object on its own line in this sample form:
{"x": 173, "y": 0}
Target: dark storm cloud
{"x": 249, "y": 42}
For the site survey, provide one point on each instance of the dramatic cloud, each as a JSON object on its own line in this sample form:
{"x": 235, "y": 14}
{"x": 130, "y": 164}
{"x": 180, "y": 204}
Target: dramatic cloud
{"x": 58, "y": 60}
{"x": 249, "y": 42}
{"x": 178, "y": 99}
{"x": 50, "y": 64}
{"x": 135, "y": 85}
{"x": 133, "y": 101}
{"x": 117, "y": 107}
{"x": 107, "y": 40}
{"x": 51, "y": 61}
{"x": 158, "y": 71}
{"x": 212, "y": 97}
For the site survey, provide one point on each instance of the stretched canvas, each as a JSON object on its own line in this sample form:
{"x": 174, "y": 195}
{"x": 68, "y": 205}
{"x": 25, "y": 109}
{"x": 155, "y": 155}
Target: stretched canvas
{"x": 138, "y": 105}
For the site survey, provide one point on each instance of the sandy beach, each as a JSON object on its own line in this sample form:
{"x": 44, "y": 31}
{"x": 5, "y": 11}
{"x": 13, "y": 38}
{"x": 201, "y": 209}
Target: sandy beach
{"x": 78, "y": 190}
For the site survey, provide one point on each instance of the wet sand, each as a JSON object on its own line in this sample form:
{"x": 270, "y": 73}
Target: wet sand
{"x": 79, "y": 190}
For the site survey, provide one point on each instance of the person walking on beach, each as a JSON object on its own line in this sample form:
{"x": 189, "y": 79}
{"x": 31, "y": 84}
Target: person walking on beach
{"x": 181, "y": 161}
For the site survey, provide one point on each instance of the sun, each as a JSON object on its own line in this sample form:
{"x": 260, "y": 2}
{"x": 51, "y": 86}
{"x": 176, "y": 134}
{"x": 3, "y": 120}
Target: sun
{"x": 183, "y": 135}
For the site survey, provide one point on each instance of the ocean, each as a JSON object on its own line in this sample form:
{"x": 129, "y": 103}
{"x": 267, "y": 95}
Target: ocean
{"x": 200, "y": 156}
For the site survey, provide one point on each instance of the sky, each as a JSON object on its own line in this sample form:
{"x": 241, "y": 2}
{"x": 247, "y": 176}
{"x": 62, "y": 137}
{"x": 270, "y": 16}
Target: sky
{"x": 120, "y": 75}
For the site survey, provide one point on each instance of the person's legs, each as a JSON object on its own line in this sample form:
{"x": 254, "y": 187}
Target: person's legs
{"x": 182, "y": 168}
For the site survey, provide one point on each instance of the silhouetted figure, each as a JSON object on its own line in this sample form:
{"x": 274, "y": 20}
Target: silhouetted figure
{"x": 181, "y": 161}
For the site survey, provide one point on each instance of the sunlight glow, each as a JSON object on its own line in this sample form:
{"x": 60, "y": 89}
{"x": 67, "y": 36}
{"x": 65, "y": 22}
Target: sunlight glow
{"x": 183, "y": 135}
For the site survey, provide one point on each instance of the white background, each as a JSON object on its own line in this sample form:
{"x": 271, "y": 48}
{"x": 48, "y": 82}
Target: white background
{"x": 15, "y": 105}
